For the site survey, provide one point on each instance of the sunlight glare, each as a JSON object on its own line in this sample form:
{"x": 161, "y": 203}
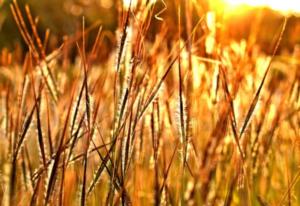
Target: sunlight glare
{"x": 126, "y": 3}
{"x": 289, "y": 6}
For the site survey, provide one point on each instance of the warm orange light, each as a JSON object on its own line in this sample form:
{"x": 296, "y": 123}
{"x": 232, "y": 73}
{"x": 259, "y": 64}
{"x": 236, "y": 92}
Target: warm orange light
{"x": 287, "y": 6}
{"x": 134, "y": 3}
{"x": 126, "y": 3}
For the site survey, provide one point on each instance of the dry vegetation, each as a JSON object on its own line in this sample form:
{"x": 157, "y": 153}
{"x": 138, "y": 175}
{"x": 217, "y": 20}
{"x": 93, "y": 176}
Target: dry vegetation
{"x": 181, "y": 121}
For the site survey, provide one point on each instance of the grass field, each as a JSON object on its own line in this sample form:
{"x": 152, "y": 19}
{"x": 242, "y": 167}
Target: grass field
{"x": 178, "y": 118}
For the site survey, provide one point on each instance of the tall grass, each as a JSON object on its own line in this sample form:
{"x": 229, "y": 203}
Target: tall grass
{"x": 162, "y": 122}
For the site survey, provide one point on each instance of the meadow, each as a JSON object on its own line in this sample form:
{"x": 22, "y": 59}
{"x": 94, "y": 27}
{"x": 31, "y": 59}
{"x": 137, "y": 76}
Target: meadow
{"x": 152, "y": 114}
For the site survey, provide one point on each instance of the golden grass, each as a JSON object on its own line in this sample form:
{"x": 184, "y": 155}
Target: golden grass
{"x": 153, "y": 125}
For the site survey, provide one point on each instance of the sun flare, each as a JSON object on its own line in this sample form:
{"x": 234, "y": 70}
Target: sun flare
{"x": 289, "y": 6}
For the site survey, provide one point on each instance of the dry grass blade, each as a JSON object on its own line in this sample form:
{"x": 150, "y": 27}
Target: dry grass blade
{"x": 61, "y": 189}
{"x": 34, "y": 196}
{"x": 74, "y": 137}
{"x": 53, "y": 170}
{"x": 87, "y": 103}
{"x": 261, "y": 201}
{"x": 290, "y": 187}
{"x": 123, "y": 38}
{"x": 19, "y": 144}
{"x": 162, "y": 79}
{"x": 232, "y": 114}
{"x": 83, "y": 190}
{"x": 182, "y": 112}
{"x": 35, "y": 33}
{"x": 257, "y": 94}
{"x": 166, "y": 174}
{"x": 121, "y": 113}
{"x": 22, "y": 28}
{"x": 26, "y": 125}
{"x": 96, "y": 44}
{"x": 39, "y": 126}
{"x": 41, "y": 60}
{"x": 102, "y": 166}
{"x": 49, "y": 134}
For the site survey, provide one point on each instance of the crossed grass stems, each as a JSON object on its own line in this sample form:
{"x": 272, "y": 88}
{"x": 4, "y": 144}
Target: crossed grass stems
{"x": 124, "y": 134}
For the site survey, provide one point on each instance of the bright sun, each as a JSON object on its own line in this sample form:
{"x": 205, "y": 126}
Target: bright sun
{"x": 284, "y": 6}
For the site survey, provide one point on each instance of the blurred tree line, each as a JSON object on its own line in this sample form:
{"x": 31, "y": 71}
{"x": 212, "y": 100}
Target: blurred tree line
{"x": 62, "y": 17}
